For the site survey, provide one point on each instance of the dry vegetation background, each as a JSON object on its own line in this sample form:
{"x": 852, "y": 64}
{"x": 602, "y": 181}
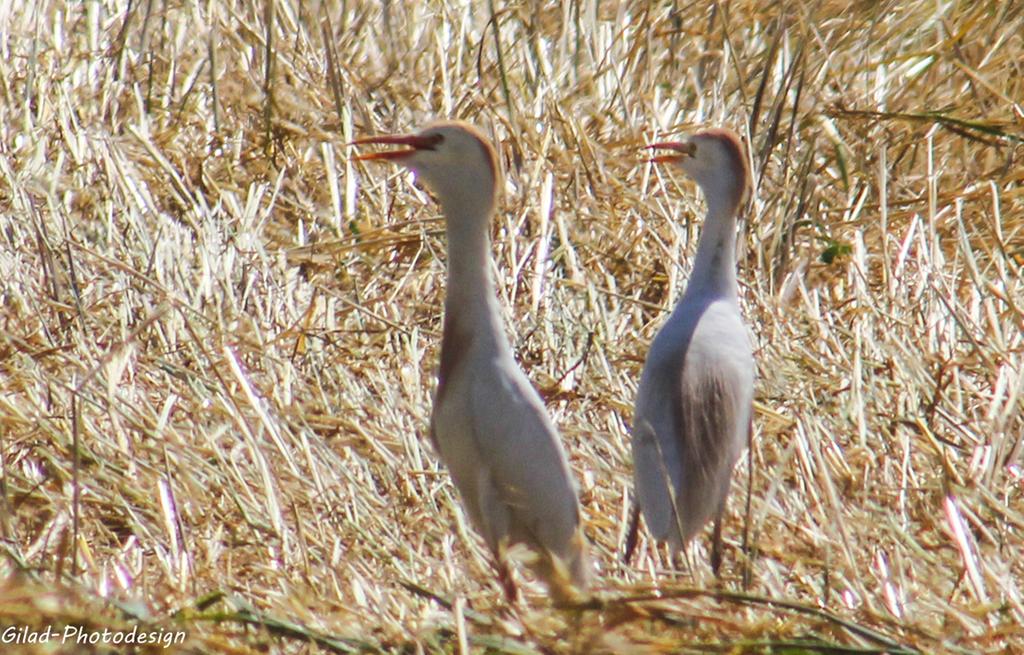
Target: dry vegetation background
{"x": 218, "y": 334}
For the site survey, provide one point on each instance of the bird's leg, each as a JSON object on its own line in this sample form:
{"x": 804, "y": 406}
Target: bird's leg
{"x": 747, "y": 558}
{"x": 505, "y": 578}
{"x": 716, "y": 544}
{"x": 632, "y": 533}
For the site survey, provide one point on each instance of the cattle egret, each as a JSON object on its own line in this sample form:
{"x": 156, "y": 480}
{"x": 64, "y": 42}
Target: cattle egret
{"x": 693, "y": 406}
{"x": 488, "y": 424}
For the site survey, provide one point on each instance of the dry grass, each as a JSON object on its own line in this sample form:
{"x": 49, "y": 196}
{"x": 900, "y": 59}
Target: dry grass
{"x": 218, "y": 335}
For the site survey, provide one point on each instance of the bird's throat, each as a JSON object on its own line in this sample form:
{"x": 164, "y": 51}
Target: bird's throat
{"x": 471, "y": 306}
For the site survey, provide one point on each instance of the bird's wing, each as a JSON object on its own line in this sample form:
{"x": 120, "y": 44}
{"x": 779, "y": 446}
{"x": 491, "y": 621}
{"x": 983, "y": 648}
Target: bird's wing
{"x": 656, "y": 460}
{"x": 692, "y": 400}
{"x": 528, "y": 476}
{"x": 707, "y": 412}
{"x": 711, "y": 413}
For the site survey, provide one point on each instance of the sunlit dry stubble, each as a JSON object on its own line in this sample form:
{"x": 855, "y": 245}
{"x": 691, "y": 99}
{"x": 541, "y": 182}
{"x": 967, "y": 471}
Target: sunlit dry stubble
{"x": 239, "y": 331}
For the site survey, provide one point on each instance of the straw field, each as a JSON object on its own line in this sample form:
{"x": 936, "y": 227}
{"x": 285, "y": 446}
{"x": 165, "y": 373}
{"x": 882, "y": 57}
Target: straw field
{"x": 218, "y": 333}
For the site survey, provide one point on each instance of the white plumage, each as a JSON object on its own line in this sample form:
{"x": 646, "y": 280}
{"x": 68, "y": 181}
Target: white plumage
{"x": 693, "y": 407}
{"x": 488, "y": 424}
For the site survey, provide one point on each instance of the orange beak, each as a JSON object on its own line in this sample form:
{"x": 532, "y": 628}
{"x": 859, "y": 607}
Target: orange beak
{"x": 414, "y": 141}
{"x": 681, "y": 150}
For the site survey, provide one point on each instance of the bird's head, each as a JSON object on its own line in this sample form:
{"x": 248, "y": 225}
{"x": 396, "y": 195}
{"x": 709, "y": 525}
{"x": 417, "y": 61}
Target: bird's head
{"x": 454, "y": 159}
{"x": 717, "y": 162}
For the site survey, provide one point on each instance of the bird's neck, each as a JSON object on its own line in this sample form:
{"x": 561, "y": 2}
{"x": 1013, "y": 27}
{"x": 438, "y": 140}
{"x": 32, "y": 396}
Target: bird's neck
{"x": 471, "y": 306}
{"x": 714, "y": 267}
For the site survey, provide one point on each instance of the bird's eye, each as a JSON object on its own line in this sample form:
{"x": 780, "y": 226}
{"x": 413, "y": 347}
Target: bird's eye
{"x": 432, "y": 141}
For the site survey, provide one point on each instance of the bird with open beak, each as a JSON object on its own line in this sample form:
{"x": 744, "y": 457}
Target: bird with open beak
{"x": 692, "y": 417}
{"x": 488, "y": 423}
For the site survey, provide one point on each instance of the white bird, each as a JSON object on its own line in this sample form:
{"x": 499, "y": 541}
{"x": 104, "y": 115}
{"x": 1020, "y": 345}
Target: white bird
{"x": 488, "y": 423}
{"x": 692, "y": 417}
